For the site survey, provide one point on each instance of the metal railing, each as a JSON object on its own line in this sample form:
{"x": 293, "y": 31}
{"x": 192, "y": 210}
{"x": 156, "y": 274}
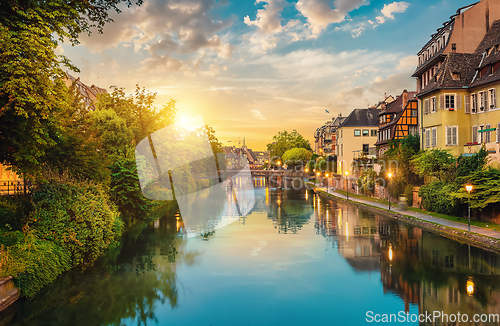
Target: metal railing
{"x": 13, "y": 187}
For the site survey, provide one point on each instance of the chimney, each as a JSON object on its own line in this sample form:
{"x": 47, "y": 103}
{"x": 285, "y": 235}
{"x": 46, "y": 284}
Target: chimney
{"x": 385, "y": 96}
{"x": 454, "y": 47}
{"x": 405, "y": 98}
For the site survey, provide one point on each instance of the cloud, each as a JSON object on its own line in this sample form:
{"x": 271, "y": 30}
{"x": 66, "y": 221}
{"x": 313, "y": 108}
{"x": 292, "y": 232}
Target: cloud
{"x": 395, "y": 7}
{"x": 389, "y": 10}
{"x": 160, "y": 28}
{"x": 258, "y": 115}
{"x": 320, "y": 14}
{"x": 393, "y": 84}
{"x": 268, "y": 20}
{"x": 357, "y": 32}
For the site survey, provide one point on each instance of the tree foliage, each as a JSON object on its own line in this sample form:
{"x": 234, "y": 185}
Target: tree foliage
{"x": 284, "y": 141}
{"x": 486, "y": 188}
{"x": 296, "y": 156}
{"x": 436, "y": 163}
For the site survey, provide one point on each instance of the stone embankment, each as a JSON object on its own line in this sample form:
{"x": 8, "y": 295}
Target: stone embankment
{"x": 8, "y": 292}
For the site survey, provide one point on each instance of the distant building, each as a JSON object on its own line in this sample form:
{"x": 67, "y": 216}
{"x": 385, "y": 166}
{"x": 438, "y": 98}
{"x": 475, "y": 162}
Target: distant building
{"x": 89, "y": 93}
{"x": 356, "y": 136}
{"x": 325, "y": 137}
{"x": 397, "y": 120}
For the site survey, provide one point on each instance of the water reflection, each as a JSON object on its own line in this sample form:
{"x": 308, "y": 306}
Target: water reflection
{"x": 295, "y": 249}
{"x": 424, "y": 269}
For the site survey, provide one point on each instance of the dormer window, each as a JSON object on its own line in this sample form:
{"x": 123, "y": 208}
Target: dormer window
{"x": 455, "y": 75}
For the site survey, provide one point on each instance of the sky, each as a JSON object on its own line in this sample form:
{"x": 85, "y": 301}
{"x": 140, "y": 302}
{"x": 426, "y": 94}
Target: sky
{"x": 253, "y": 68}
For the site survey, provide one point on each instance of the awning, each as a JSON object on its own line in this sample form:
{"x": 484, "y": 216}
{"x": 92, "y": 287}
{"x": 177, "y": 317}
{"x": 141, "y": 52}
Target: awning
{"x": 485, "y": 130}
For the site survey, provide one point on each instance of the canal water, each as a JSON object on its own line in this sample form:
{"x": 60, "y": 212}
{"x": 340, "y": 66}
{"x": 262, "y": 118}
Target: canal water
{"x": 296, "y": 259}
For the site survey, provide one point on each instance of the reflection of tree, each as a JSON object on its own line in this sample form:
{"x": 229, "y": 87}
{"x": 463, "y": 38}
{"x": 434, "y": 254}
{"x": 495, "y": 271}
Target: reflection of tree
{"x": 288, "y": 210}
{"x": 128, "y": 283}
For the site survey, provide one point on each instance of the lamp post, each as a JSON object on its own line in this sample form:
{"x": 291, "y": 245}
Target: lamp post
{"x": 388, "y": 193}
{"x": 469, "y": 188}
{"x": 347, "y": 183}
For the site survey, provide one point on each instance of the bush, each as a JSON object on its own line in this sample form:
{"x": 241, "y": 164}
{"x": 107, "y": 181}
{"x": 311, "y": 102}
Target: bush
{"x": 13, "y": 212}
{"x": 126, "y": 192}
{"x": 34, "y": 263}
{"x": 366, "y": 182}
{"x": 10, "y": 238}
{"x": 438, "y": 197}
{"x": 409, "y": 195}
{"x": 76, "y": 216}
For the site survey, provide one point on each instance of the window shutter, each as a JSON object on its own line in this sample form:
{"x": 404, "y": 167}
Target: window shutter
{"x": 434, "y": 137}
{"x": 427, "y": 138}
{"x": 488, "y": 133}
{"x": 498, "y": 132}
{"x": 486, "y": 107}
{"x": 474, "y": 134}
{"x": 458, "y": 101}
{"x": 455, "y": 135}
{"x": 494, "y": 98}
{"x": 426, "y": 106}
{"x": 441, "y": 101}
{"x": 467, "y": 104}
{"x": 447, "y": 136}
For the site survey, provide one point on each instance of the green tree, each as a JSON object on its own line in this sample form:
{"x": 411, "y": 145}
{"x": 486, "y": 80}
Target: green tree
{"x": 436, "y": 163}
{"x": 366, "y": 182}
{"x": 486, "y": 188}
{"x": 467, "y": 165}
{"x": 284, "y": 141}
{"x": 296, "y": 156}
{"x": 31, "y": 90}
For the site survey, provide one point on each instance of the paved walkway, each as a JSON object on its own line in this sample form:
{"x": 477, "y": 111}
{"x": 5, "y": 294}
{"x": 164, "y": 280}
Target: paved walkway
{"x": 425, "y": 217}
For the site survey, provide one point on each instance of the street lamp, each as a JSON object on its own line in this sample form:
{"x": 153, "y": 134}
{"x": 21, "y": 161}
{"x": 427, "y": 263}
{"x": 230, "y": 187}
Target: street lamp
{"x": 469, "y": 188}
{"x": 327, "y": 182}
{"x": 347, "y": 183}
{"x": 390, "y": 176}
{"x": 318, "y": 174}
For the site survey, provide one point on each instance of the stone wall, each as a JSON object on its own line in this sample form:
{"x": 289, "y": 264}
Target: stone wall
{"x": 8, "y": 292}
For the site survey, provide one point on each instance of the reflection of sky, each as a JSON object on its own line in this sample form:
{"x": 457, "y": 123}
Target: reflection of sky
{"x": 248, "y": 274}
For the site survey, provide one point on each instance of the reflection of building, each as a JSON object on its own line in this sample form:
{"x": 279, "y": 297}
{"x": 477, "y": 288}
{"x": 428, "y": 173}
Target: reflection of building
{"x": 435, "y": 273}
{"x": 287, "y": 213}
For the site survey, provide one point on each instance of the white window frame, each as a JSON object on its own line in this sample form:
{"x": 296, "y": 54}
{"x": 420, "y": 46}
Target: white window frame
{"x": 492, "y": 94}
{"x": 451, "y": 134}
{"x": 482, "y": 101}
{"x": 480, "y": 136}
{"x": 434, "y": 137}
{"x": 473, "y": 99}
{"x": 427, "y": 138}
{"x": 448, "y": 106}
{"x": 433, "y": 104}
{"x": 487, "y": 136}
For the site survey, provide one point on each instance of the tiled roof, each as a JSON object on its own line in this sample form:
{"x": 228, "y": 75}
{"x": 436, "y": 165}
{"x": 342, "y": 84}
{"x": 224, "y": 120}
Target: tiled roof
{"x": 491, "y": 38}
{"x": 362, "y": 118}
{"x": 462, "y": 64}
{"x": 397, "y": 105}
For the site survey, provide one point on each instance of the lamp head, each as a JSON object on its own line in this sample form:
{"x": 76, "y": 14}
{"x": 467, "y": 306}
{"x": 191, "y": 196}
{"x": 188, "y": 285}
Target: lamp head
{"x": 346, "y": 173}
{"x": 318, "y": 173}
{"x": 389, "y": 174}
{"x": 469, "y": 188}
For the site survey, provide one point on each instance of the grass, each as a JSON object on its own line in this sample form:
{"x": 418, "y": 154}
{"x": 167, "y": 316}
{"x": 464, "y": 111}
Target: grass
{"x": 462, "y": 220}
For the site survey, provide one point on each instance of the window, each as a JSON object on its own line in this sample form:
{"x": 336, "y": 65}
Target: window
{"x": 426, "y": 106}
{"x": 366, "y": 132}
{"x": 414, "y": 113}
{"x": 473, "y": 99}
{"x": 366, "y": 149}
{"x": 434, "y": 137}
{"x": 474, "y": 134}
{"x": 427, "y": 138}
{"x": 341, "y": 133}
{"x": 413, "y": 130}
{"x": 449, "y": 261}
{"x": 498, "y": 132}
{"x": 480, "y": 135}
{"x": 357, "y": 132}
{"x": 433, "y": 104}
{"x": 493, "y": 98}
{"x": 341, "y": 149}
{"x": 487, "y": 134}
{"x": 449, "y": 101}
{"x": 374, "y": 133}
{"x": 482, "y": 101}
{"x": 451, "y": 135}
